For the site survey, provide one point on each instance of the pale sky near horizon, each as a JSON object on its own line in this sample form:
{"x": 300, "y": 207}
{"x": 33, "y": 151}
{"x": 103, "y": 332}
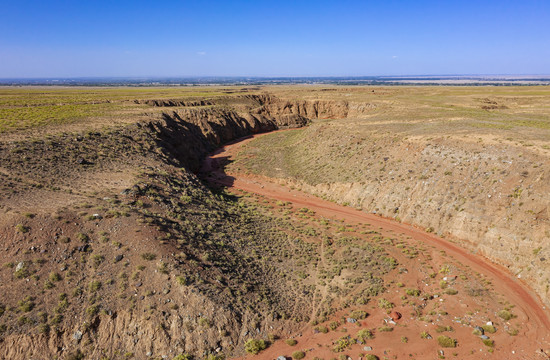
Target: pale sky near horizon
{"x": 272, "y": 38}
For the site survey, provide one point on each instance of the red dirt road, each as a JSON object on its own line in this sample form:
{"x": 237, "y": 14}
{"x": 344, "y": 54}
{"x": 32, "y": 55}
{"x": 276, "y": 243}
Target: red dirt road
{"x": 538, "y": 324}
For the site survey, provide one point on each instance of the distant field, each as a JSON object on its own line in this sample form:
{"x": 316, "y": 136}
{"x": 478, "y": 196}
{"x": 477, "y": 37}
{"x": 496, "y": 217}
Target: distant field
{"x": 30, "y": 107}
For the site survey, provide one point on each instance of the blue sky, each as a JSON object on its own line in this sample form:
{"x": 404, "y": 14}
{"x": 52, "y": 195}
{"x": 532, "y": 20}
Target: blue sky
{"x": 273, "y": 38}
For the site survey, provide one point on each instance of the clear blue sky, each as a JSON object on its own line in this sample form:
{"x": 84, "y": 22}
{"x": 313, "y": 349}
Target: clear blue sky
{"x": 273, "y": 38}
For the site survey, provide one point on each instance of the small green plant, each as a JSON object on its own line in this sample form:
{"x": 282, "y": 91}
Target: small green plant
{"x": 321, "y": 329}
{"x": 182, "y": 357}
{"x": 21, "y": 228}
{"x": 54, "y": 277}
{"x": 27, "y": 304}
{"x": 505, "y": 315}
{"x": 148, "y": 256}
{"x": 385, "y": 328}
{"x": 371, "y": 357}
{"x": 425, "y": 335}
{"x": 182, "y": 280}
{"x": 291, "y": 342}
{"x": 297, "y": 355}
{"x": 404, "y": 339}
{"x": 385, "y": 304}
{"x": 446, "y": 342}
{"x": 488, "y": 342}
{"x": 450, "y": 291}
{"x": 94, "y": 286}
{"x": 358, "y": 314}
{"x": 204, "y": 322}
{"x": 413, "y": 292}
{"x": 365, "y": 334}
{"x": 254, "y": 346}
{"x": 489, "y": 329}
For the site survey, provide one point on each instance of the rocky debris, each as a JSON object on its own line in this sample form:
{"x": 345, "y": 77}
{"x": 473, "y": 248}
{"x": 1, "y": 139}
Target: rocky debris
{"x": 119, "y": 257}
{"x": 367, "y": 348}
{"x": 77, "y": 335}
{"x": 281, "y": 357}
{"x": 484, "y": 337}
{"x": 351, "y": 320}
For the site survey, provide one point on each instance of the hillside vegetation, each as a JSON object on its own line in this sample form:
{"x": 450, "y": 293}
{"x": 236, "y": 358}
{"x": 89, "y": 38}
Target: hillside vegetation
{"x": 470, "y": 164}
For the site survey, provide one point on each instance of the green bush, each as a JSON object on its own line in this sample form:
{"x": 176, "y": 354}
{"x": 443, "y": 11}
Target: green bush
{"x": 254, "y": 346}
{"x": 371, "y": 357}
{"x": 413, "y": 292}
{"x": 365, "y": 334}
{"x": 148, "y": 256}
{"x": 489, "y": 329}
{"x": 505, "y": 315}
{"x": 298, "y": 355}
{"x": 291, "y": 342}
{"x": 182, "y": 357}
{"x": 488, "y": 342}
{"x": 446, "y": 342}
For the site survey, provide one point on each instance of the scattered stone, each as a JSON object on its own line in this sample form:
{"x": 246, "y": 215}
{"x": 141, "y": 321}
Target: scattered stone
{"x": 281, "y": 357}
{"x": 367, "y": 348}
{"x": 351, "y": 320}
{"x": 490, "y": 323}
{"x": 77, "y": 335}
{"x": 20, "y": 266}
{"x": 441, "y": 353}
{"x": 118, "y": 258}
{"x": 484, "y": 337}
{"x": 480, "y": 329}
{"x": 149, "y": 354}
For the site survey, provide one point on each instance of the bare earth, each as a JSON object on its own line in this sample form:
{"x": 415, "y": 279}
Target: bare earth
{"x": 535, "y": 318}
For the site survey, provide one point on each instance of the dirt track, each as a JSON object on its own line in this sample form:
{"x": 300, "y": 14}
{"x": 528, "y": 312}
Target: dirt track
{"x": 538, "y": 325}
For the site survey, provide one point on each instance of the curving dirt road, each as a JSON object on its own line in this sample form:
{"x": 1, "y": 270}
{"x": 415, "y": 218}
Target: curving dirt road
{"x": 538, "y": 325}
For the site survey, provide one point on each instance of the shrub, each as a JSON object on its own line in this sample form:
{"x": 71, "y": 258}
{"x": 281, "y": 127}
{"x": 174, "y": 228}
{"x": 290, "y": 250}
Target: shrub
{"x": 451, "y": 291}
{"x": 21, "y": 228}
{"x": 298, "y": 355}
{"x": 441, "y": 329}
{"x": 148, "y": 256}
{"x": 413, "y": 292}
{"x": 446, "y": 342}
{"x": 182, "y": 280}
{"x": 322, "y": 329}
{"x": 424, "y": 335}
{"x": 291, "y": 342}
{"x": 27, "y": 304}
{"x": 333, "y": 325}
{"x": 182, "y": 357}
{"x": 488, "y": 342}
{"x": 365, "y": 334}
{"x": 54, "y": 277}
{"x": 254, "y": 346}
{"x": 505, "y": 315}
{"x": 342, "y": 344}
{"x": 358, "y": 314}
{"x": 371, "y": 357}
{"x": 385, "y": 328}
{"x": 385, "y": 304}
{"x": 94, "y": 286}
{"x": 489, "y": 329}
{"x": 204, "y": 322}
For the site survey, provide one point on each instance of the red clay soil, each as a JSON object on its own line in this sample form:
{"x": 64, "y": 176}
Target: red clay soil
{"x": 536, "y": 326}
